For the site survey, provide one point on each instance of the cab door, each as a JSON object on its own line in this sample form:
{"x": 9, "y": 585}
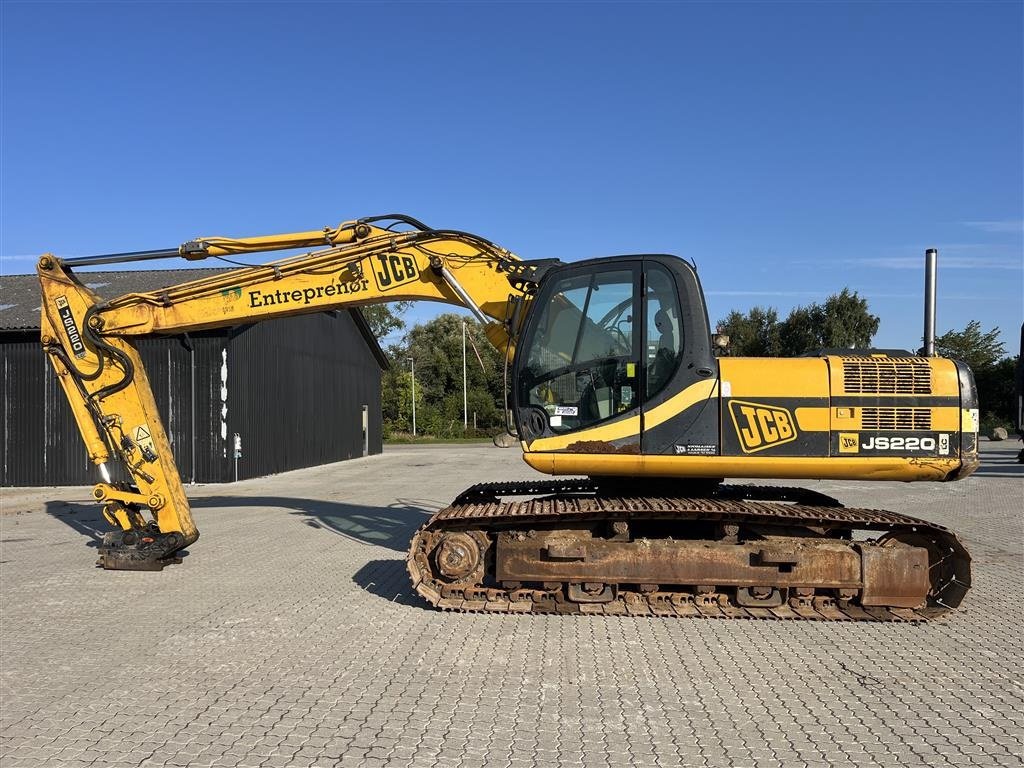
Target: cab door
{"x": 577, "y": 374}
{"x": 680, "y": 394}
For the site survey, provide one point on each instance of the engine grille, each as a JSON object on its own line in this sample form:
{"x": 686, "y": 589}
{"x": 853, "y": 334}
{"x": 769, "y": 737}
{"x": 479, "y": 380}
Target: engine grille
{"x": 887, "y": 376}
{"x": 896, "y": 418}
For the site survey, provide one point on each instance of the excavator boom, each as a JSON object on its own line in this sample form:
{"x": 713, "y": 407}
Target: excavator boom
{"x": 88, "y": 340}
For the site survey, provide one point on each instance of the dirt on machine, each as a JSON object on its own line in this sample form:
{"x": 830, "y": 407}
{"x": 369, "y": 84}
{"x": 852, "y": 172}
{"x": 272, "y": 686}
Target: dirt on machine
{"x": 614, "y": 389}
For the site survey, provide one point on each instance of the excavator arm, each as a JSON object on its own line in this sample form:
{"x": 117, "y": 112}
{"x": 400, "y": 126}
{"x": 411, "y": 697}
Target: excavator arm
{"x": 89, "y": 341}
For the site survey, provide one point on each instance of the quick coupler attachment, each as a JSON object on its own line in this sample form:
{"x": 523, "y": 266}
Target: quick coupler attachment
{"x": 139, "y": 550}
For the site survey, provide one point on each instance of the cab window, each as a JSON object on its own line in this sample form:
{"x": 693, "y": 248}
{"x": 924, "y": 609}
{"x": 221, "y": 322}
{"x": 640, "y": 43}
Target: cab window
{"x": 581, "y": 366}
{"x": 664, "y": 329}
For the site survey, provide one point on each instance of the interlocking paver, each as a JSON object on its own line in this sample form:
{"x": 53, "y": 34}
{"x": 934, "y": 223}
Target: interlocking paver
{"x": 290, "y": 637}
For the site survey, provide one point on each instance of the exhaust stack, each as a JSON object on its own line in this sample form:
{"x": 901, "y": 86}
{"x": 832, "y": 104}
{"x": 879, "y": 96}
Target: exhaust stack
{"x": 931, "y": 257}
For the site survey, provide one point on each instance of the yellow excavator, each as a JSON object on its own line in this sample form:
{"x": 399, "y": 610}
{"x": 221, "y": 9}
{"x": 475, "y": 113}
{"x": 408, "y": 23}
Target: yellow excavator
{"x": 614, "y": 386}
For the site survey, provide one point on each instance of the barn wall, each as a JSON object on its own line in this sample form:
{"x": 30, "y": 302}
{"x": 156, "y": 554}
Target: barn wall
{"x": 294, "y": 400}
{"x": 292, "y": 389}
{"x": 29, "y": 391}
{"x": 184, "y": 374}
{"x": 40, "y": 441}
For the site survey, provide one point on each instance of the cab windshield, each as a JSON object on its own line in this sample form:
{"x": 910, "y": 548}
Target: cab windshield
{"x": 580, "y": 367}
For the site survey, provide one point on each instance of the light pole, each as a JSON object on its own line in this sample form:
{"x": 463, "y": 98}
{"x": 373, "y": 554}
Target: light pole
{"x": 412, "y": 364}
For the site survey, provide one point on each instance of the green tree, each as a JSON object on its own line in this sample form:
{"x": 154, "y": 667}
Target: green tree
{"x": 846, "y": 322}
{"x": 798, "y": 333}
{"x": 842, "y": 322}
{"x": 993, "y": 372}
{"x": 997, "y": 399}
{"x": 396, "y": 392}
{"x": 979, "y": 350}
{"x": 385, "y": 319}
{"x": 755, "y": 334}
{"x": 436, "y": 348}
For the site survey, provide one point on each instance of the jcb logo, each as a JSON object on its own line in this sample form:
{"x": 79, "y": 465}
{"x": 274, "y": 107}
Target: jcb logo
{"x": 761, "y": 426}
{"x": 849, "y": 442}
{"x": 392, "y": 270}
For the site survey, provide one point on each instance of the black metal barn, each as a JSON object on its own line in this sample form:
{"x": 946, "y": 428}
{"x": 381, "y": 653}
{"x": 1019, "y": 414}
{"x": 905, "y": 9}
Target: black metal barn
{"x": 298, "y": 392}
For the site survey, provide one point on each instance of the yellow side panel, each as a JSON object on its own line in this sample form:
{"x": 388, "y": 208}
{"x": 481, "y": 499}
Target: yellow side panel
{"x": 615, "y": 430}
{"x": 630, "y": 427}
{"x": 812, "y": 419}
{"x": 771, "y": 377}
{"x": 780, "y": 467}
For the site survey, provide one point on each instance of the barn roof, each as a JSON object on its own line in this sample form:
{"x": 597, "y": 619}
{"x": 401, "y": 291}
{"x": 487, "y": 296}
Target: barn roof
{"x": 19, "y": 294}
{"x": 20, "y": 305}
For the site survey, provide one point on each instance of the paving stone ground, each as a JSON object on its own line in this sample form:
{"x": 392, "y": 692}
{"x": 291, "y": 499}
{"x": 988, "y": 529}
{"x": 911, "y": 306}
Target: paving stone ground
{"x": 290, "y": 637}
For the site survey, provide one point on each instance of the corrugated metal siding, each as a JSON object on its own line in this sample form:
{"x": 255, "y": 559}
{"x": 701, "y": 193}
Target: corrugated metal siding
{"x": 211, "y": 463}
{"x": 60, "y": 455}
{"x": 168, "y": 365}
{"x": 294, "y": 400}
{"x": 295, "y": 391}
{"x": 41, "y": 444}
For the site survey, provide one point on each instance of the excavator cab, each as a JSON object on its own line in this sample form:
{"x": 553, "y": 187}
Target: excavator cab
{"x": 607, "y": 341}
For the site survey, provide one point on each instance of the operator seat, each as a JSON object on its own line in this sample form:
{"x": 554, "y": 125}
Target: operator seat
{"x": 665, "y": 357}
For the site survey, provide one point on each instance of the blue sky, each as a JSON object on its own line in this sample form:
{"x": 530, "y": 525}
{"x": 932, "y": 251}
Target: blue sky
{"x": 789, "y": 149}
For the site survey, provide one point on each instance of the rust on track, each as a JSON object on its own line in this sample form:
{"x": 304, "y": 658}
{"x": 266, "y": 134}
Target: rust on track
{"x": 735, "y": 552}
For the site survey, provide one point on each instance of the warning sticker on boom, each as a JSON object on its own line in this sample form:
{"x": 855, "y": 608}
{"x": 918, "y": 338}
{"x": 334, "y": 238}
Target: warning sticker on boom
{"x": 143, "y": 438}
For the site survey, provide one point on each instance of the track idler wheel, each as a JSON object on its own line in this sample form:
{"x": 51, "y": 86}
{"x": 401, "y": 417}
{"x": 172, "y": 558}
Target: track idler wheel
{"x": 458, "y": 557}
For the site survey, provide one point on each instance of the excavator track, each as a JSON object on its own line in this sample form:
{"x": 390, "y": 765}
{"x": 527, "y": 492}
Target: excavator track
{"x": 736, "y": 551}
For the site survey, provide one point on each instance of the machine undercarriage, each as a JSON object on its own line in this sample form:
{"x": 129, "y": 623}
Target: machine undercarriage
{"x": 734, "y": 552}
